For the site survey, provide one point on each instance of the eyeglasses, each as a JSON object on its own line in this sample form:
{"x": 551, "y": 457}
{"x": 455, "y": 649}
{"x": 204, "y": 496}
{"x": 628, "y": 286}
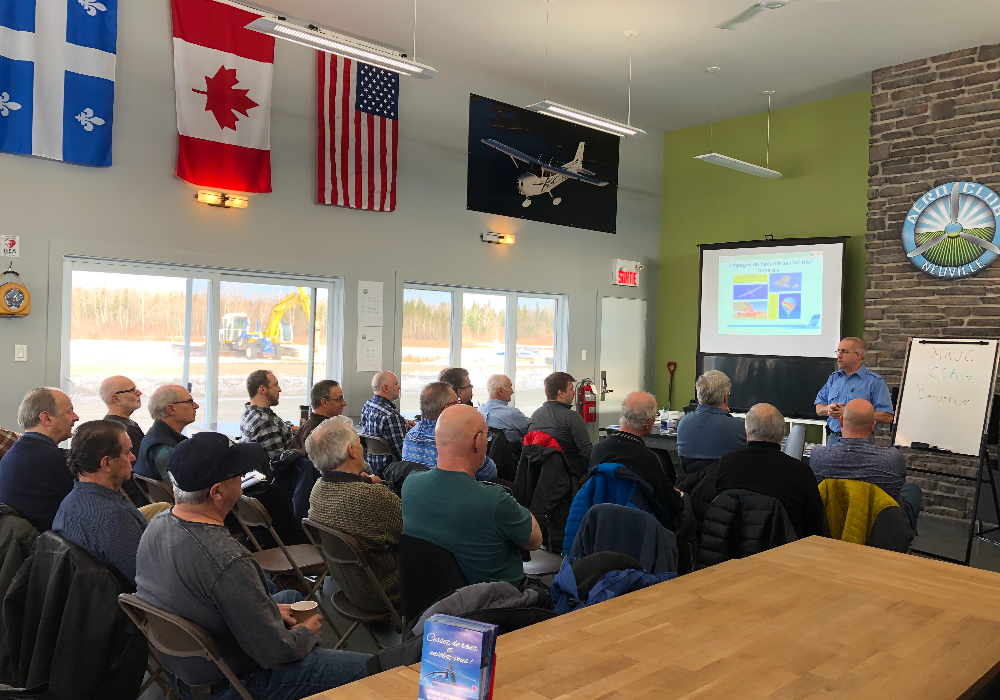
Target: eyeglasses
{"x": 133, "y": 390}
{"x": 189, "y": 401}
{"x": 463, "y": 388}
{"x": 848, "y": 352}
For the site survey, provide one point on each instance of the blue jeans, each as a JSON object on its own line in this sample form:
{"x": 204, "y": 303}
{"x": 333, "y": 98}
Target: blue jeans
{"x": 911, "y": 499}
{"x": 321, "y": 669}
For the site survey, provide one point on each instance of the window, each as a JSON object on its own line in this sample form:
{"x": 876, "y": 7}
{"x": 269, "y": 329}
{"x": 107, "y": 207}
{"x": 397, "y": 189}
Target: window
{"x": 451, "y": 326}
{"x": 203, "y": 328}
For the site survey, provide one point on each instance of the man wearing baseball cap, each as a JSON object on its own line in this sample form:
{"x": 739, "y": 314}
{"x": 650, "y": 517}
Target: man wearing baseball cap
{"x": 188, "y": 564}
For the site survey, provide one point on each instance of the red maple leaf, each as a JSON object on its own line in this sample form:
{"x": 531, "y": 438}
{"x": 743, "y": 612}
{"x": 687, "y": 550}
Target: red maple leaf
{"x": 224, "y": 99}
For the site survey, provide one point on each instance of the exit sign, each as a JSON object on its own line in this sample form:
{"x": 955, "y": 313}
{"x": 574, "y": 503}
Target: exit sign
{"x": 626, "y": 273}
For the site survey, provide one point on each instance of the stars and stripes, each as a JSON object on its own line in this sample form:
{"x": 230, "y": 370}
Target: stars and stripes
{"x": 358, "y": 110}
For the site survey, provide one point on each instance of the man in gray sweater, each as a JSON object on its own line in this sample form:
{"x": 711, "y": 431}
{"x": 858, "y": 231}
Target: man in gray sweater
{"x": 557, "y": 418}
{"x": 189, "y": 565}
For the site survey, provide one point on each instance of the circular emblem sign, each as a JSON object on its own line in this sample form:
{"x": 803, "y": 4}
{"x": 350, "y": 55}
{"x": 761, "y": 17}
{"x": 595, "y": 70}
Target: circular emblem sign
{"x": 951, "y": 232}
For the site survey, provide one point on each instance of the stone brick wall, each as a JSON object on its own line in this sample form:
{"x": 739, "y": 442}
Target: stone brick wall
{"x": 934, "y": 121}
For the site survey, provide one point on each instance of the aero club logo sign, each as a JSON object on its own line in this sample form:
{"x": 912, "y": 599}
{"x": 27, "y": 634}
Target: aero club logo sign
{"x": 951, "y": 232}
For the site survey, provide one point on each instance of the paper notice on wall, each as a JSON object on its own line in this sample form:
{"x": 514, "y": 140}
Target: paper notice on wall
{"x": 10, "y": 246}
{"x": 369, "y": 304}
{"x": 369, "y": 348}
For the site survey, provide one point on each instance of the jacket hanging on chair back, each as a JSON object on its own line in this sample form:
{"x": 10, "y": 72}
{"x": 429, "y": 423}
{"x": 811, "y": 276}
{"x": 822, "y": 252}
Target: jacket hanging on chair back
{"x": 612, "y": 528}
{"x": 741, "y": 523}
{"x": 16, "y": 537}
{"x": 62, "y": 625}
{"x": 544, "y": 485}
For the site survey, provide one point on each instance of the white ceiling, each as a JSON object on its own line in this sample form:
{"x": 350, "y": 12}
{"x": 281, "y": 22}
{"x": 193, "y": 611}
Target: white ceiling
{"x": 809, "y": 50}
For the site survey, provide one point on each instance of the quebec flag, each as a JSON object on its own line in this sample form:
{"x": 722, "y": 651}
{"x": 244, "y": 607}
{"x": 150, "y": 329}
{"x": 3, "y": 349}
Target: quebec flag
{"x": 57, "y": 78}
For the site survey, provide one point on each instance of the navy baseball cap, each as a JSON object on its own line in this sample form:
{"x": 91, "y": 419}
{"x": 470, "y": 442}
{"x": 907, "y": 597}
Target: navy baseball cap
{"x": 206, "y": 459}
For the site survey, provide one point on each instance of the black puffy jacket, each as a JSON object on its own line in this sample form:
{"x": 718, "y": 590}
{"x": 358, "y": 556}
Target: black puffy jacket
{"x": 545, "y": 486}
{"x": 740, "y": 523}
{"x": 63, "y": 626}
{"x": 16, "y": 537}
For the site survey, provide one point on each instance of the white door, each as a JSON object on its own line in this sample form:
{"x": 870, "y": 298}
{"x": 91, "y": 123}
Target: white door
{"x": 622, "y": 361}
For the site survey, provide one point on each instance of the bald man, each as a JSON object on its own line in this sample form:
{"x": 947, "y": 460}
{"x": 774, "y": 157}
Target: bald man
{"x": 763, "y": 468}
{"x": 852, "y": 381}
{"x": 381, "y": 418}
{"x": 475, "y": 521}
{"x": 855, "y": 457}
{"x": 122, "y": 397}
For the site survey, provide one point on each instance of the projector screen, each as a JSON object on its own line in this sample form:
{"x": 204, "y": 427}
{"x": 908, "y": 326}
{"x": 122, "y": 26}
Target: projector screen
{"x": 772, "y": 298}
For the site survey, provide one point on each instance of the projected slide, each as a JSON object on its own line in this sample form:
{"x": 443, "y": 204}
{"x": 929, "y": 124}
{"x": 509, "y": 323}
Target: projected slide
{"x": 771, "y": 293}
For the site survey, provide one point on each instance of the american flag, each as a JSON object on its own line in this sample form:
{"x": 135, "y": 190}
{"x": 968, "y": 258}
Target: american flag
{"x": 358, "y": 108}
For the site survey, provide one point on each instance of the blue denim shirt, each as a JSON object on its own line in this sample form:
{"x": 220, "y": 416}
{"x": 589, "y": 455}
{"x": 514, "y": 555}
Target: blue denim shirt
{"x": 499, "y": 414}
{"x": 709, "y": 433}
{"x": 863, "y": 384}
{"x": 419, "y": 446}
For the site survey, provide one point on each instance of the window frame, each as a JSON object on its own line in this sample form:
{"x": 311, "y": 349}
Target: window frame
{"x": 560, "y": 331}
{"x": 334, "y": 361}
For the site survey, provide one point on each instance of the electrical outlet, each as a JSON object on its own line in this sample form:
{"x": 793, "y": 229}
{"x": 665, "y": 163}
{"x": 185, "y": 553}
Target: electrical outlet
{"x": 583, "y": 354}
{"x": 20, "y": 353}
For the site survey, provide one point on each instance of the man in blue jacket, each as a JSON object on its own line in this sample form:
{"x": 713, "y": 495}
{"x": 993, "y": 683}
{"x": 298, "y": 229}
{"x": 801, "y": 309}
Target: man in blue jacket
{"x": 34, "y": 477}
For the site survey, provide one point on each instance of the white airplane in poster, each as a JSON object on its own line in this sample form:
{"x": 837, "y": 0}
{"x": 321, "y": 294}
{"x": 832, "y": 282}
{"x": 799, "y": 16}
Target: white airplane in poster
{"x": 531, "y": 185}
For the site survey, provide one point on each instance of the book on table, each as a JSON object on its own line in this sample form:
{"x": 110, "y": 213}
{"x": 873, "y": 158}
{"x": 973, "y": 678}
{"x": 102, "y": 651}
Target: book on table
{"x": 458, "y": 659}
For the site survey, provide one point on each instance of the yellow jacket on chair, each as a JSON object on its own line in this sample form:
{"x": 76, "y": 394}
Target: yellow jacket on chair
{"x": 852, "y": 507}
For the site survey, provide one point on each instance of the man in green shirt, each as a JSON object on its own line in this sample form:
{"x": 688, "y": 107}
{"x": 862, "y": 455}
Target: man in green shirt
{"x": 475, "y": 521}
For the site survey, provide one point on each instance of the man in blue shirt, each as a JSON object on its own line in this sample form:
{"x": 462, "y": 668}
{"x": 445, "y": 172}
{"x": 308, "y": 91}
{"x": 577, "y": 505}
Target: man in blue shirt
{"x": 419, "y": 444}
{"x": 95, "y": 515}
{"x": 497, "y": 411}
{"x": 852, "y": 381}
{"x": 33, "y": 474}
{"x": 710, "y": 431}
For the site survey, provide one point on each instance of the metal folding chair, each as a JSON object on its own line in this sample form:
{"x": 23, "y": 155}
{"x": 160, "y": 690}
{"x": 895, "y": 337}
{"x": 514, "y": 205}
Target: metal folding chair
{"x": 284, "y": 559}
{"x": 375, "y": 445}
{"x": 341, "y": 549}
{"x": 176, "y": 636}
{"x": 154, "y": 490}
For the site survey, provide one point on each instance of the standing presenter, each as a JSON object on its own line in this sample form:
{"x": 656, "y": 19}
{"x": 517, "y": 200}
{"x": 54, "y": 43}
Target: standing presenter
{"x": 852, "y": 381}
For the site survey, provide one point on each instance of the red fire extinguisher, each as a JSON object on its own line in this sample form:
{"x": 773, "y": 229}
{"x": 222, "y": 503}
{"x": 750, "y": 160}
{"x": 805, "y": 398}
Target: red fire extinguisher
{"x": 587, "y": 401}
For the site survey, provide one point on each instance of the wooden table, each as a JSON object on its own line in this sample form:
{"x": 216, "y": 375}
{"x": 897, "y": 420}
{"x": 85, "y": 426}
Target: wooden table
{"x": 817, "y": 618}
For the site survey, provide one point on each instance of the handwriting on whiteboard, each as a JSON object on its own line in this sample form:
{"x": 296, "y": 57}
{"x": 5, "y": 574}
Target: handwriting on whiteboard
{"x": 924, "y": 395}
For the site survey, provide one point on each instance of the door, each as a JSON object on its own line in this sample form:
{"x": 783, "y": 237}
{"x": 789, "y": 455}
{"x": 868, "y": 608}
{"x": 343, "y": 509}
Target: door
{"x": 622, "y": 361}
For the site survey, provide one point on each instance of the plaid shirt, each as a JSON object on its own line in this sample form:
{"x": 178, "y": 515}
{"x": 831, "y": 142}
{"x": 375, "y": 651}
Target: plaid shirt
{"x": 262, "y": 425}
{"x": 381, "y": 418}
{"x": 7, "y": 440}
{"x": 419, "y": 446}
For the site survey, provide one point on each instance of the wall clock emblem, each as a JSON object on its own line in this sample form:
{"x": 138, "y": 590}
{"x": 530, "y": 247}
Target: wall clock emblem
{"x": 951, "y": 232}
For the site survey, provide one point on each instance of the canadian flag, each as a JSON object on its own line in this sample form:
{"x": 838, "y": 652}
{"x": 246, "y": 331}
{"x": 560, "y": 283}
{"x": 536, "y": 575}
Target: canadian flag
{"x": 222, "y": 77}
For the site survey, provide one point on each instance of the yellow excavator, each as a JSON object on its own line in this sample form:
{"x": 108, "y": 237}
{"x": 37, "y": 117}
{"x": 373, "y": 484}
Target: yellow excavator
{"x": 235, "y": 335}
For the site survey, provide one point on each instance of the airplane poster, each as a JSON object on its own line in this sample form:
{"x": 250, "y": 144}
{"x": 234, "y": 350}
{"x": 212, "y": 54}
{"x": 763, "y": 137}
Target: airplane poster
{"x": 528, "y": 165}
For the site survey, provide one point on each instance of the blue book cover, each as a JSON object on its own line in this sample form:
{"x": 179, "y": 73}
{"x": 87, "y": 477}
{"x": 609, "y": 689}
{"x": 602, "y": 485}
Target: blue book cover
{"x": 457, "y": 659}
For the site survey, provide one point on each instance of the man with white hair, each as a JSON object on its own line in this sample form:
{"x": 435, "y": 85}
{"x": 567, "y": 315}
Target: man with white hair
{"x": 173, "y": 409}
{"x": 347, "y": 499}
{"x": 710, "y": 432}
{"x": 34, "y": 477}
{"x": 381, "y": 418}
{"x": 497, "y": 411}
{"x": 626, "y": 447}
{"x": 763, "y": 468}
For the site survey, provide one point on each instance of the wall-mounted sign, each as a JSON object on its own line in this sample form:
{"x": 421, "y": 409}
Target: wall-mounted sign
{"x": 626, "y": 273}
{"x": 10, "y": 246}
{"x": 951, "y": 232}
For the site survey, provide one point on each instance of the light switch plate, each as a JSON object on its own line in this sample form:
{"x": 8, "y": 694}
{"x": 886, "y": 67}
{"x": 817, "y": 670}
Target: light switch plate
{"x": 583, "y": 354}
{"x": 20, "y": 353}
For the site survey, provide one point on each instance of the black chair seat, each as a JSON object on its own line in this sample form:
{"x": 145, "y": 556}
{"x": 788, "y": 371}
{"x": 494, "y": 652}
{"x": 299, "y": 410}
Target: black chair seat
{"x": 346, "y": 609}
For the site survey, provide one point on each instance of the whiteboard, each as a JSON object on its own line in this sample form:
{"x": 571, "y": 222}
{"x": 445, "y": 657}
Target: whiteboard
{"x": 946, "y": 394}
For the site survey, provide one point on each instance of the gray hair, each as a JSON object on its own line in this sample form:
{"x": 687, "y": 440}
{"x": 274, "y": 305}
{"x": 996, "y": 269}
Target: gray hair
{"x": 637, "y": 412}
{"x": 379, "y": 379}
{"x": 327, "y": 444}
{"x": 158, "y": 402}
{"x": 434, "y": 397}
{"x": 764, "y": 422}
{"x": 189, "y": 498}
{"x": 495, "y": 383}
{"x": 712, "y": 387}
{"x": 36, "y": 402}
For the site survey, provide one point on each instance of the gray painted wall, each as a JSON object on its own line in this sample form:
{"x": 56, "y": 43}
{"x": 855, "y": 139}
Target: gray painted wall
{"x": 139, "y": 210}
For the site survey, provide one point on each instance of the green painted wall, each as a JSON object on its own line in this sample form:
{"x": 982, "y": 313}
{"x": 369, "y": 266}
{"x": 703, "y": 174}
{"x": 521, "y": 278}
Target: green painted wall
{"x": 820, "y": 148}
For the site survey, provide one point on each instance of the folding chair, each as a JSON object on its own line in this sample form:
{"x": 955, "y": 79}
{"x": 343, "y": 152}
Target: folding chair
{"x": 343, "y": 550}
{"x": 285, "y": 560}
{"x": 176, "y": 636}
{"x": 375, "y": 445}
{"x": 154, "y": 490}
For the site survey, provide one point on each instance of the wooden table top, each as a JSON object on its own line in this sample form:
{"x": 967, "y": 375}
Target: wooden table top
{"x": 814, "y": 618}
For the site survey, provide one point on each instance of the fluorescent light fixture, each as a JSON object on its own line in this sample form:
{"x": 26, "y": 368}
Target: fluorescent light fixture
{"x": 742, "y": 166}
{"x": 554, "y": 109}
{"x": 214, "y": 199}
{"x": 236, "y": 201}
{"x": 219, "y": 199}
{"x": 498, "y": 238}
{"x": 342, "y": 45}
